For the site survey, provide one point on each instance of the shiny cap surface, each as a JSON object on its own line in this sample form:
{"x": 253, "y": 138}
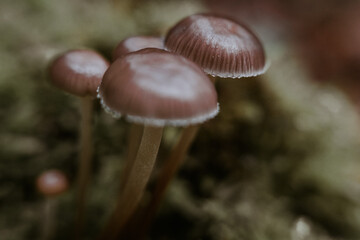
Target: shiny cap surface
{"x": 78, "y": 72}
{"x": 155, "y": 87}
{"x": 219, "y": 45}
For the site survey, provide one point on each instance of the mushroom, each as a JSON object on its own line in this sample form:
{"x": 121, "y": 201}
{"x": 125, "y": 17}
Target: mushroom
{"x": 79, "y": 72}
{"x": 222, "y": 48}
{"x": 128, "y": 45}
{"x": 219, "y": 45}
{"x": 153, "y": 88}
{"x": 50, "y": 183}
{"x": 136, "y": 43}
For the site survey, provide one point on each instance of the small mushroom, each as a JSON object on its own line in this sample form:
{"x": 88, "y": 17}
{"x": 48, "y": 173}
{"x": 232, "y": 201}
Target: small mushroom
{"x": 154, "y": 88}
{"x": 79, "y": 72}
{"x": 51, "y": 184}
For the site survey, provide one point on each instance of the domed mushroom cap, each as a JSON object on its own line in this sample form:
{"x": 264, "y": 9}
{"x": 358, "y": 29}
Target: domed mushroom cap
{"x": 219, "y": 45}
{"x": 133, "y": 44}
{"x": 78, "y": 72}
{"x": 51, "y": 183}
{"x": 155, "y": 87}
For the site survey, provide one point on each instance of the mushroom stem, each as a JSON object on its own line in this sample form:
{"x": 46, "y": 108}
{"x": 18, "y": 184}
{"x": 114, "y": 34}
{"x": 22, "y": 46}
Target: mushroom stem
{"x": 136, "y": 181}
{"x": 168, "y": 171}
{"x": 134, "y": 140}
{"x": 49, "y": 225}
{"x": 84, "y": 168}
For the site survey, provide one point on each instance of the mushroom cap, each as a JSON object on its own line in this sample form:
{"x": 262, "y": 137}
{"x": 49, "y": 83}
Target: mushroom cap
{"x": 133, "y": 44}
{"x": 219, "y": 45}
{"x": 78, "y": 72}
{"x": 155, "y": 87}
{"x": 52, "y": 183}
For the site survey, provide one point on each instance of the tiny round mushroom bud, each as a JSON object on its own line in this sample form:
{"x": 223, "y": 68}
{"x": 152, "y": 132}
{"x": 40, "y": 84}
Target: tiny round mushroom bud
{"x": 78, "y": 72}
{"x": 133, "y": 44}
{"x": 52, "y": 183}
{"x": 220, "y": 46}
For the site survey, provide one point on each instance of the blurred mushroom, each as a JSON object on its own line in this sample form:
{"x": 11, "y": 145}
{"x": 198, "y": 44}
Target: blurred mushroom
{"x": 154, "y": 88}
{"x": 133, "y": 44}
{"x": 50, "y": 183}
{"x": 79, "y": 72}
{"x": 330, "y": 49}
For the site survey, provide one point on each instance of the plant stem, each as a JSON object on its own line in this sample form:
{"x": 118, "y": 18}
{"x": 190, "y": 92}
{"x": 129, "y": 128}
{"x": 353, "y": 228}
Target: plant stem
{"x": 49, "y": 225}
{"x": 136, "y": 182}
{"x": 168, "y": 171}
{"x": 134, "y": 140}
{"x": 84, "y": 168}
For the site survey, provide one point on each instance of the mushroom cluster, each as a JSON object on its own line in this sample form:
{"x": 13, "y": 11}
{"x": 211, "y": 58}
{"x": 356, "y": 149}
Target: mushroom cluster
{"x": 153, "y": 83}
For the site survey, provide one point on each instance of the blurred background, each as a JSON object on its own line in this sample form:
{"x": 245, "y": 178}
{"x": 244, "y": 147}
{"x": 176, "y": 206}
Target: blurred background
{"x": 280, "y": 161}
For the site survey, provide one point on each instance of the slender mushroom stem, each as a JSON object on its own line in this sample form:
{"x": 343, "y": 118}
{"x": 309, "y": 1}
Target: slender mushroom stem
{"x": 168, "y": 171}
{"x": 49, "y": 224}
{"x": 85, "y": 155}
{"x": 134, "y": 140}
{"x": 136, "y": 182}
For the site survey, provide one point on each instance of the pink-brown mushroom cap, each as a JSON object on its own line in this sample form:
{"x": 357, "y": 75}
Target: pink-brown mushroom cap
{"x": 133, "y": 44}
{"x": 155, "y": 87}
{"x": 78, "y": 72}
{"x": 219, "y": 45}
{"x": 52, "y": 183}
